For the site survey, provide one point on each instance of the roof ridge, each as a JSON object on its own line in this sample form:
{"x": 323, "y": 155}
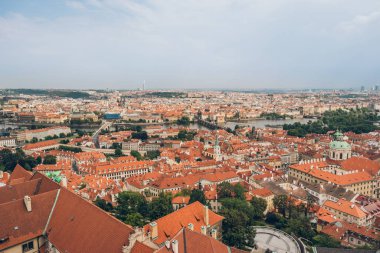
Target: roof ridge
{"x": 184, "y": 241}
{"x": 51, "y": 212}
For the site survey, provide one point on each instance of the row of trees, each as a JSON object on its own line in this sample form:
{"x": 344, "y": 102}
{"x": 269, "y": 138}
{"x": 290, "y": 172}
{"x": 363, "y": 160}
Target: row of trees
{"x": 49, "y": 137}
{"x": 135, "y": 210}
{"x": 358, "y": 121}
{"x": 9, "y": 160}
{"x": 294, "y": 220}
{"x": 239, "y": 215}
{"x": 149, "y": 155}
{"x": 184, "y": 121}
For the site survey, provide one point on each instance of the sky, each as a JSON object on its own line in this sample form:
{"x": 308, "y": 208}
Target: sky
{"x": 189, "y": 44}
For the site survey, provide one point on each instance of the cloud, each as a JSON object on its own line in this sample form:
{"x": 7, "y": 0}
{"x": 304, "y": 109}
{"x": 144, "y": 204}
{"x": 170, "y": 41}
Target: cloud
{"x": 75, "y": 5}
{"x": 359, "y": 21}
{"x": 187, "y": 43}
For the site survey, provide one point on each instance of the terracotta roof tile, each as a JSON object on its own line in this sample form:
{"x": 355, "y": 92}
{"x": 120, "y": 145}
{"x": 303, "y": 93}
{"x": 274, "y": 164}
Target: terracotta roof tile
{"x": 78, "y": 226}
{"x": 170, "y": 224}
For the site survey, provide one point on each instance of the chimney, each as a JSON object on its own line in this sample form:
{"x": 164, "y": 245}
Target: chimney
{"x": 154, "y": 229}
{"x": 167, "y": 244}
{"x": 1, "y": 174}
{"x": 204, "y": 230}
{"x": 64, "y": 181}
{"x": 190, "y": 226}
{"x": 214, "y": 233}
{"x": 28, "y": 203}
{"x": 206, "y": 215}
{"x": 175, "y": 246}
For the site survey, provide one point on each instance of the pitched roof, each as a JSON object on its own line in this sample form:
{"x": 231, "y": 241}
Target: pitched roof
{"x": 345, "y": 206}
{"x": 19, "y": 172}
{"x": 139, "y": 247}
{"x": 40, "y": 144}
{"x": 346, "y": 179}
{"x": 194, "y": 242}
{"x": 170, "y": 224}
{"x": 19, "y": 225}
{"x": 181, "y": 200}
{"x": 361, "y": 163}
{"x": 18, "y": 191}
{"x": 46, "y": 184}
{"x": 78, "y": 226}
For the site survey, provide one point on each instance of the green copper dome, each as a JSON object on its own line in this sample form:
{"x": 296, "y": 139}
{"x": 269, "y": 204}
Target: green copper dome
{"x": 339, "y": 145}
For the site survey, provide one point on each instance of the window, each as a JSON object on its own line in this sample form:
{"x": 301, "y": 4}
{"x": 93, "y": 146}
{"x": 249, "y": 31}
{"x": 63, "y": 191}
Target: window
{"x": 27, "y": 246}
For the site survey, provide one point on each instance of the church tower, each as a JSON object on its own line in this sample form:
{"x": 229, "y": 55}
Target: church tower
{"x": 217, "y": 153}
{"x": 339, "y": 148}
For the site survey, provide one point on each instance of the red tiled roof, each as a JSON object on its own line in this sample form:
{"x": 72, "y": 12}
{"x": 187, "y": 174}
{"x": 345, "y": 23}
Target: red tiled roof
{"x": 18, "y": 191}
{"x": 194, "y": 242}
{"x": 139, "y": 247}
{"x": 20, "y": 172}
{"x": 19, "y": 225}
{"x": 78, "y": 226}
{"x": 170, "y": 224}
{"x": 345, "y": 206}
{"x": 361, "y": 163}
{"x": 181, "y": 200}
{"x": 40, "y": 144}
{"x": 262, "y": 192}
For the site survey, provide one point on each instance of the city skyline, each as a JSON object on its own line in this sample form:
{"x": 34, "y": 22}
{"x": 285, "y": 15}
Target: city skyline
{"x": 242, "y": 45}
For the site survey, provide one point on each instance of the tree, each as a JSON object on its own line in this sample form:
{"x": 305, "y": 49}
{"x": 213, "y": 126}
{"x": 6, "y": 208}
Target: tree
{"x": 301, "y": 227}
{"x": 152, "y": 154}
{"x": 280, "y": 203}
{"x": 135, "y": 220}
{"x": 239, "y": 191}
{"x": 140, "y": 135}
{"x": 185, "y": 121}
{"x": 259, "y": 206}
{"x": 116, "y": 145}
{"x": 129, "y": 203}
{"x": 160, "y": 206}
{"x": 101, "y": 203}
{"x": 136, "y": 154}
{"x": 118, "y": 152}
{"x": 39, "y": 160}
{"x": 10, "y": 159}
{"x": 236, "y": 227}
{"x": 50, "y": 159}
{"x": 323, "y": 240}
{"x": 276, "y": 219}
{"x": 309, "y": 203}
{"x": 227, "y": 190}
{"x": 184, "y": 135}
{"x": 197, "y": 195}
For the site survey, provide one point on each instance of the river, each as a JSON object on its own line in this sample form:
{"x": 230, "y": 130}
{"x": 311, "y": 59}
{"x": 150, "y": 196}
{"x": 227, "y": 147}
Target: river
{"x": 258, "y": 123}
{"x": 262, "y": 123}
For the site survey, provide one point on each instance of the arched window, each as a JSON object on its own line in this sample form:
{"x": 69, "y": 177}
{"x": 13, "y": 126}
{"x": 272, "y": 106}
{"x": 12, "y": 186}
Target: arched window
{"x": 341, "y": 156}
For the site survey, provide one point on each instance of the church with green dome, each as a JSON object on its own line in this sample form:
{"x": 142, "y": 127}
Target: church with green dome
{"x": 339, "y": 148}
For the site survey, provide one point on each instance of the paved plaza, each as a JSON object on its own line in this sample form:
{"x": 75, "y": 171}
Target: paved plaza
{"x": 275, "y": 240}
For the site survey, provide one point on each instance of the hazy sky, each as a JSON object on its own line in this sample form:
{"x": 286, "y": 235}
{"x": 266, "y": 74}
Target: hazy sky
{"x": 189, "y": 43}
